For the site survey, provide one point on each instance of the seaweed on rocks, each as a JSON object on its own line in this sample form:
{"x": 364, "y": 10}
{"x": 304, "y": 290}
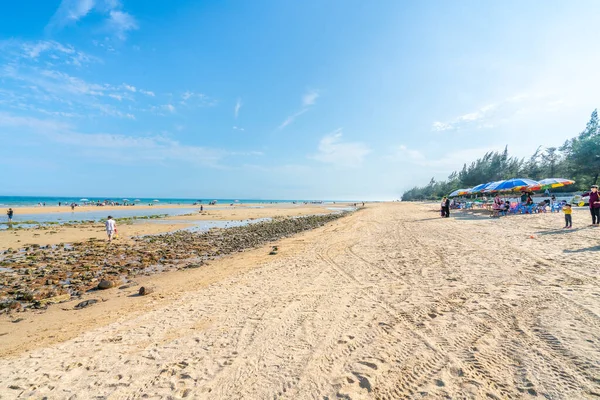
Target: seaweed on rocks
{"x": 42, "y": 275}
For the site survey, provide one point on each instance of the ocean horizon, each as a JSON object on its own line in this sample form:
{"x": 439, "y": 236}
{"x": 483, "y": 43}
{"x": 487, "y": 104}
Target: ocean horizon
{"x": 28, "y": 201}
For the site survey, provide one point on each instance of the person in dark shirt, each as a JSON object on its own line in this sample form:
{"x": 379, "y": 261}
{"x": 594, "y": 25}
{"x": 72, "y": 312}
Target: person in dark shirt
{"x": 10, "y": 214}
{"x": 447, "y": 207}
{"x": 594, "y": 204}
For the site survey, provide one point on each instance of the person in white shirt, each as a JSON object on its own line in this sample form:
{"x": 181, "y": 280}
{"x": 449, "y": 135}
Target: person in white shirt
{"x": 111, "y": 227}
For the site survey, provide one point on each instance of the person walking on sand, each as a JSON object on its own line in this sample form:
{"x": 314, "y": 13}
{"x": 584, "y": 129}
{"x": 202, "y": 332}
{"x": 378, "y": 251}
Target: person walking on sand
{"x": 568, "y": 219}
{"x": 10, "y": 213}
{"x": 111, "y": 228}
{"x": 594, "y": 204}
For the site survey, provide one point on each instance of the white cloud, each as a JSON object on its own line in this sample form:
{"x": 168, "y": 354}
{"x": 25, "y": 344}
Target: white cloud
{"x": 147, "y": 93}
{"x": 310, "y": 98}
{"x": 169, "y": 107}
{"x": 120, "y": 22}
{"x": 238, "y": 105}
{"x": 291, "y": 118}
{"x": 71, "y": 11}
{"x": 33, "y": 51}
{"x": 154, "y": 148}
{"x": 129, "y": 87}
{"x": 236, "y": 128}
{"x": 440, "y": 126}
{"x": 447, "y": 162}
{"x": 117, "y": 22}
{"x": 190, "y": 98}
{"x": 332, "y": 150}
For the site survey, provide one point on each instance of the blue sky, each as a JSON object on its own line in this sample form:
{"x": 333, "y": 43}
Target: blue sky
{"x": 313, "y": 99}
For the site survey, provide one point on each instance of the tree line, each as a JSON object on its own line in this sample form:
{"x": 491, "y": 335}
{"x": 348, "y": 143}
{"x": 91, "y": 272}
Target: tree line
{"x": 577, "y": 159}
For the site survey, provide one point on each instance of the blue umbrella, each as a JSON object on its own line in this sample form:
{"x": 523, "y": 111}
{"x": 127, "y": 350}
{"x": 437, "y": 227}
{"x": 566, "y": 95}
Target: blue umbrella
{"x": 515, "y": 183}
{"x": 457, "y": 192}
{"x": 479, "y": 188}
{"x": 492, "y": 187}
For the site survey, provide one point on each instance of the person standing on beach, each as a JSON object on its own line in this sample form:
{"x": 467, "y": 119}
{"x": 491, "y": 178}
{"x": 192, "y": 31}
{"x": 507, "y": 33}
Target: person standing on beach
{"x": 10, "y": 213}
{"x": 594, "y": 204}
{"x": 447, "y": 207}
{"x": 443, "y": 207}
{"x": 568, "y": 219}
{"x": 111, "y": 227}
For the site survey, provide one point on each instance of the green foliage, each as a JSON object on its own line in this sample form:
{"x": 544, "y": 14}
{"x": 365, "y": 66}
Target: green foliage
{"x": 577, "y": 159}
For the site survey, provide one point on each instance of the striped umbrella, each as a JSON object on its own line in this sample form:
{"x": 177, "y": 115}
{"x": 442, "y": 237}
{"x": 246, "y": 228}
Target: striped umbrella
{"x": 551, "y": 183}
{"x": 479, "y": 188}
{"x": 514, "y": 184}
{"x": 492, "y": 187}
{"x": 458, "y": 192}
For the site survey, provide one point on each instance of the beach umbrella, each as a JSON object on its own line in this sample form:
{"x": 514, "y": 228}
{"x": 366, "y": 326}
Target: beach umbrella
{"x": 126, "y": 200}
{"x": 479, "y": 188}
{"x": 456, "y": 193}
{"x": 137, "y": 200}
{"x": 551, "y": 183}
{"x": 156, "y": 201}
{"x": 514, "y": 184}
{"x": 83, "y": 200}
{"x": 491, "y": 187}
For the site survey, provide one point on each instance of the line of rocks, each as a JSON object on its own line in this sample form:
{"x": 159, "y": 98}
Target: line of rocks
{"x": 41, "y": 275}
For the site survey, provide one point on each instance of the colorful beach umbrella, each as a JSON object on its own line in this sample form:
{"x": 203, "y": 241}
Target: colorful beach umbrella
{"x": 551, "y": 183}
{"x": 514, "y": 184}
{"x": 479, "y": 188}
{"x": 456, "y": 193}
{"x": 491, "y": 187}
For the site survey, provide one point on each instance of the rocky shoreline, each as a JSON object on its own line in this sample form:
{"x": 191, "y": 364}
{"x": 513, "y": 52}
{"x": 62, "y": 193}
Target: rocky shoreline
{"x": 36, "y": 276}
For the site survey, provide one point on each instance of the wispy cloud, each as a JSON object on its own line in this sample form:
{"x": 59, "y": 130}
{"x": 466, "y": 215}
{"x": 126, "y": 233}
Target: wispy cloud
{"x": 500, "y": 112}
{"x": 333, "y": 150}
{"x": 153, "y": 148}
{"x": 237, "y": 128}
{"x": 49, "y": 50}
{"x": 35, "y": 78}
{"x": 447, "y": 162}
{"x": 308, "y": 100}
{"x": 238, "y": 105}
{"x": 191, "y": 99}
{"x": 116, "y": 21}
{"x": 292, "y": 117}
{"x": 120, "y": 23}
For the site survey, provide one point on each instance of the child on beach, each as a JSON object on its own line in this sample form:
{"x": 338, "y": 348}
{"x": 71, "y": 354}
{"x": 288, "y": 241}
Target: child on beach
{"x": 568, "y": 220}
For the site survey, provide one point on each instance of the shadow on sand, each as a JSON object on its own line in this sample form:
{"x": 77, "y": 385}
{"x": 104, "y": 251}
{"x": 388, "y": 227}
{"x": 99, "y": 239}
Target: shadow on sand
{"x": 558, "y": 231}
{"x": 594, "y": 248}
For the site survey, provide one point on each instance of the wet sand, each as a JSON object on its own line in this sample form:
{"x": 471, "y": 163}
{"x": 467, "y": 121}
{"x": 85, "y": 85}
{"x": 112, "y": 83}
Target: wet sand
{"x": 55, "y": 234}
{"x": 389, "y": 302}
{"x": 157, "y": 206}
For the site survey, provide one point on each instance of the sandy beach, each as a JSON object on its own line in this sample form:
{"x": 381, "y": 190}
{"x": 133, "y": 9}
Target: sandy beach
{"x": 389, "y": 302}
{"x": 247, "y": 207}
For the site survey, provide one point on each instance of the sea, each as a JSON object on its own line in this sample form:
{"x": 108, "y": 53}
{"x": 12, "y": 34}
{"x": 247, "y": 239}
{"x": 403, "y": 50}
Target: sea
{"x": 160, "y": 206}
{"x": 28, "y": 201}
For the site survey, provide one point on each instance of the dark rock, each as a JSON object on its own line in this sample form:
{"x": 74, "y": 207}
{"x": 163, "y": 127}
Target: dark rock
{"x": 85, "y": 303}
{"x": 145, "y": 290}
{"x": 104, "y": 284}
